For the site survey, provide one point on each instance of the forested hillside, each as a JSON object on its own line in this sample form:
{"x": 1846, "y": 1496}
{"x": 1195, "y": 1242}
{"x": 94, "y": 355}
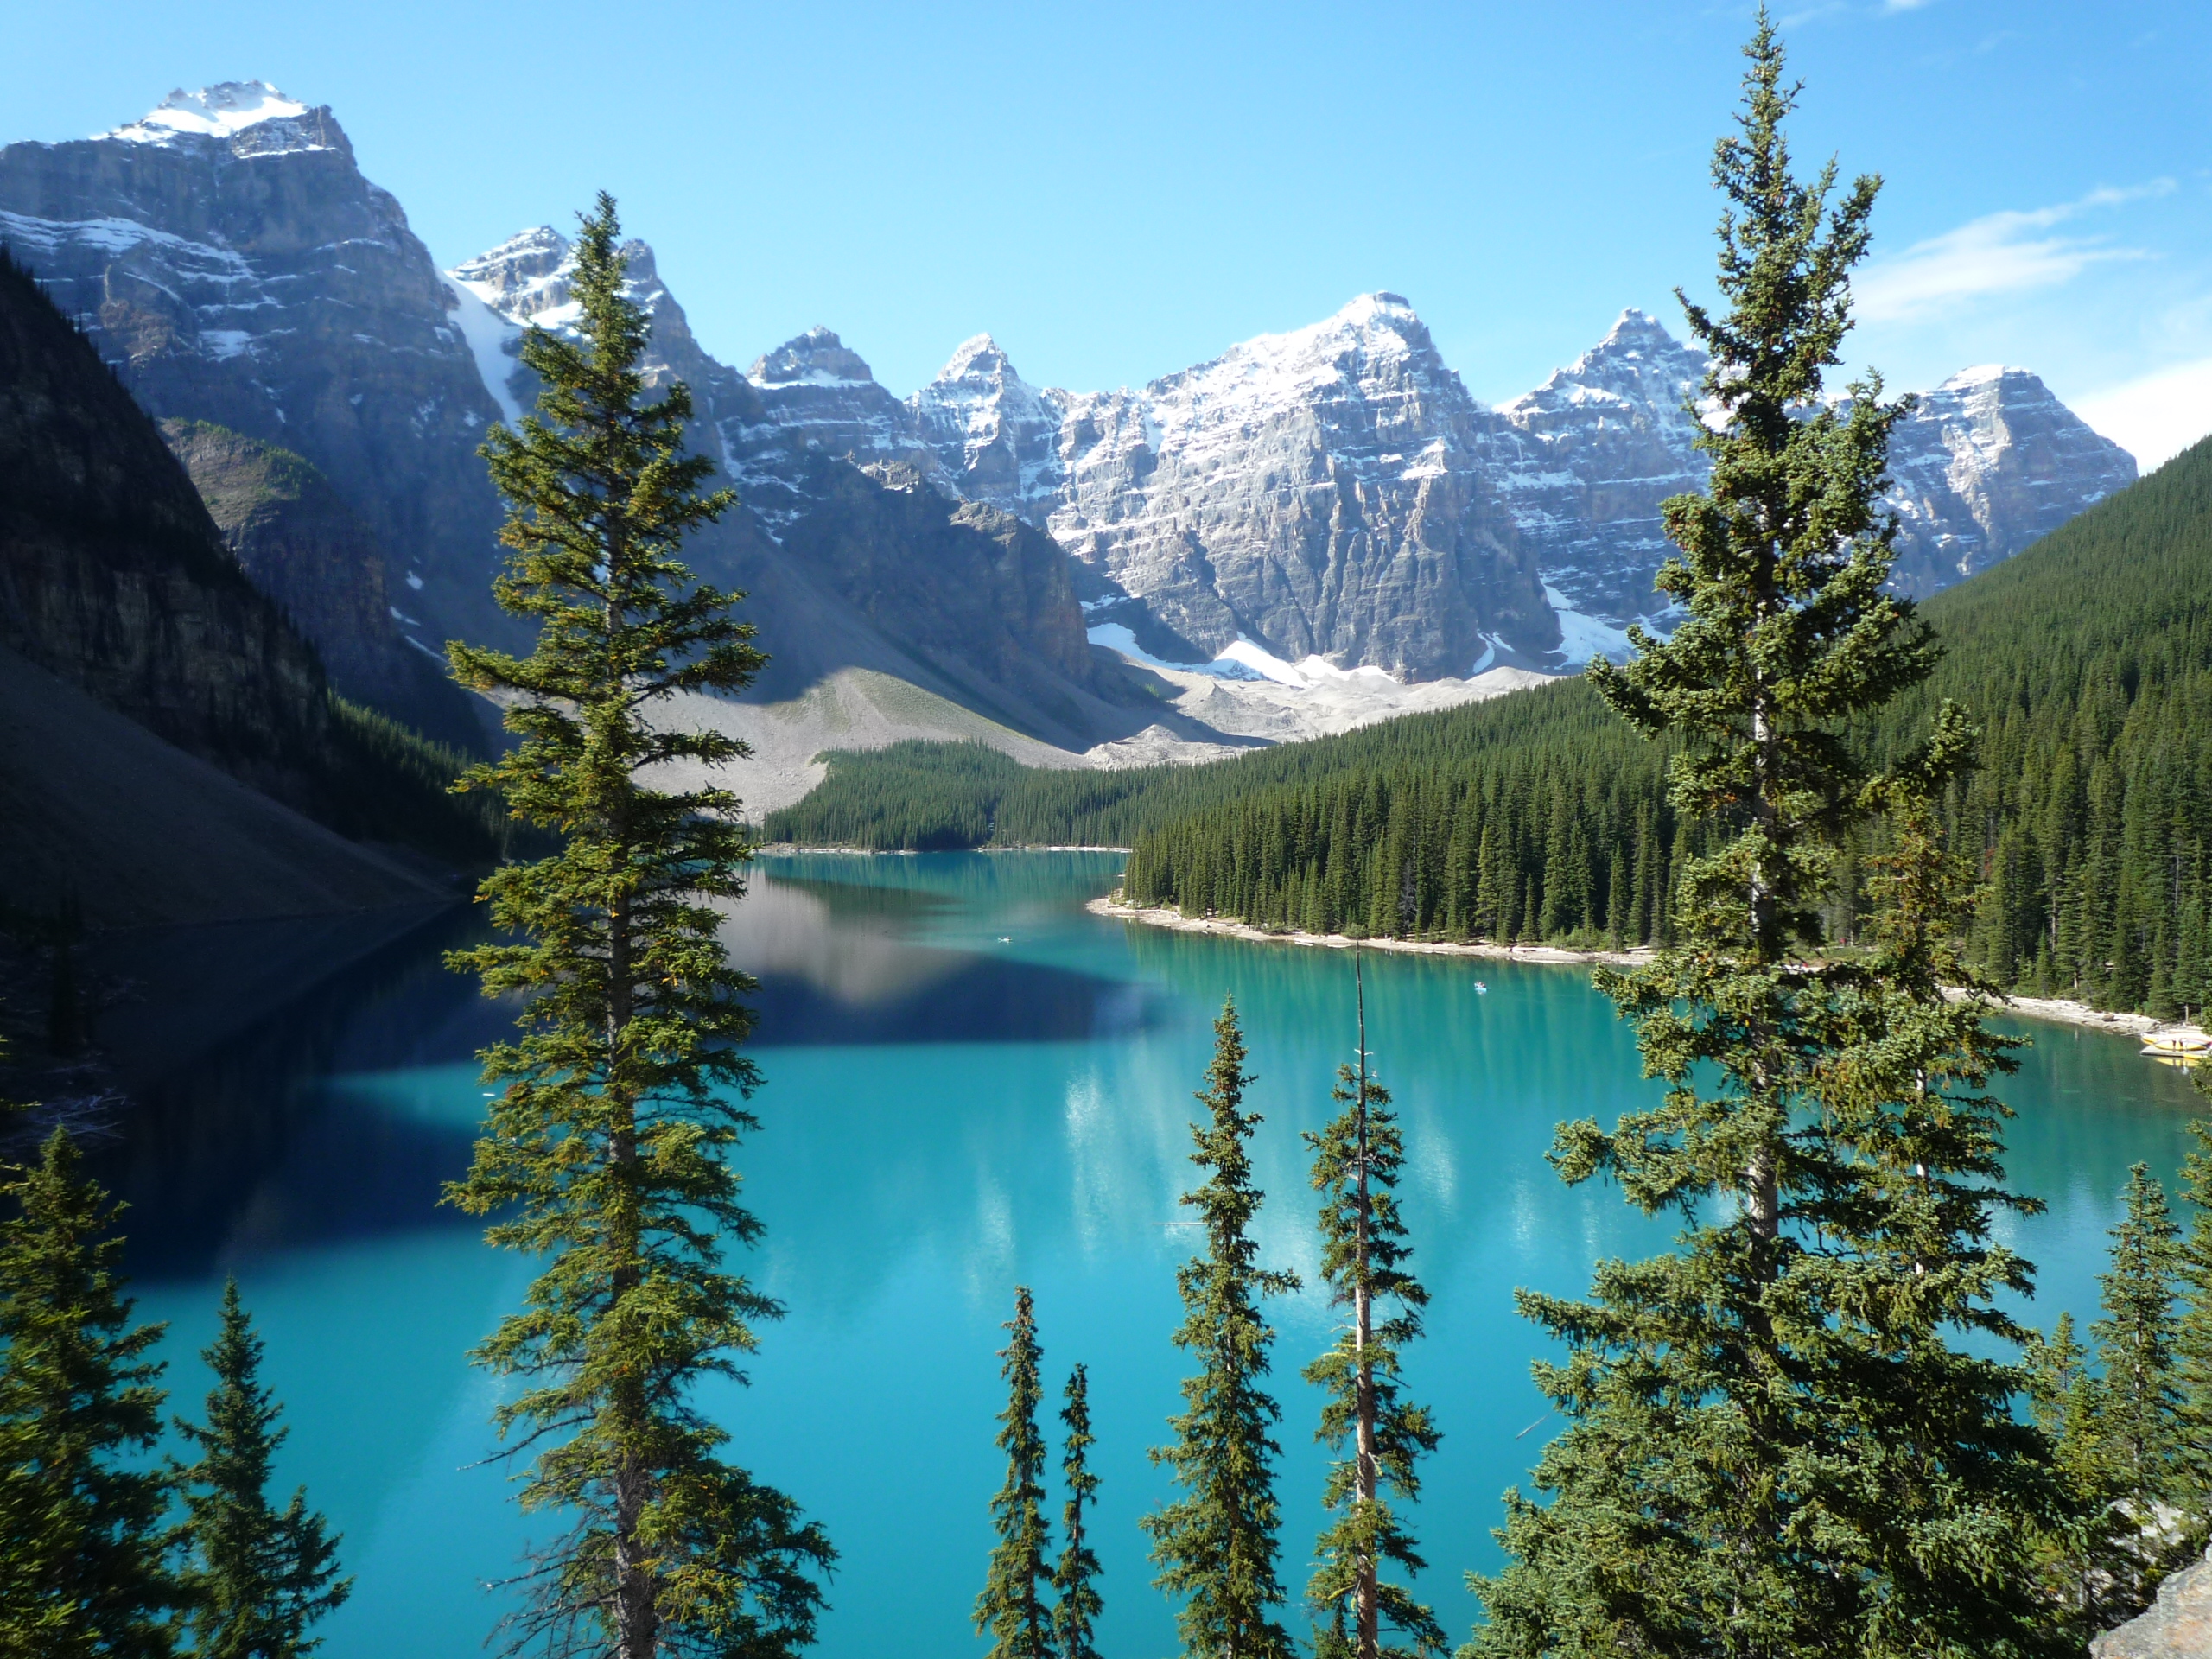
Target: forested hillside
{"x": 2087, "y": 661}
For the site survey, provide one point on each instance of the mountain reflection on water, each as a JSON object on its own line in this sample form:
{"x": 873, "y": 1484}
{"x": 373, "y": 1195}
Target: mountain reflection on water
{"x": 969, "y": 1084}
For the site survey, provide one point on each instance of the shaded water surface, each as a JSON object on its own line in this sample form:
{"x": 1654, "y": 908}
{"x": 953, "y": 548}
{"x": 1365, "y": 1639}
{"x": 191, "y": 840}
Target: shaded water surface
{"x": 970, "y": 1083}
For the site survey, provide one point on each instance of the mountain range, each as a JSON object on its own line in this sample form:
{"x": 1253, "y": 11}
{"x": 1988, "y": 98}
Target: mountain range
{"x": 1321, "y": 520}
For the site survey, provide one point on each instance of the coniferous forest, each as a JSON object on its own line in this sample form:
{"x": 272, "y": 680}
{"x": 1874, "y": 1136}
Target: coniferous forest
{"x": 1813, "y": 1420}
{"x": 2086, "y": 661}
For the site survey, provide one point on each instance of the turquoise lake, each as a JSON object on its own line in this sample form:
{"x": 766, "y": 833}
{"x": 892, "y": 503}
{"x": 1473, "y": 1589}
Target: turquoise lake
{"x": 971, "y": 1083}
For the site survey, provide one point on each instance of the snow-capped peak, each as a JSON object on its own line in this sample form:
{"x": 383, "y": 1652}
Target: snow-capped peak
{"x": 814, "y": 358}
{"x": 538, "y": 252}
{"x": 218, "y": 112}
{"x": 1980, "y": 374}
{"x": 977, "y": 357}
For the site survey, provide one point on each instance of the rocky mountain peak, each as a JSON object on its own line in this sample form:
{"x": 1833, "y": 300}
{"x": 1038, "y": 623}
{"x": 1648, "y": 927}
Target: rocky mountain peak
{"x": 994, "y": 433}
{"x": 1372, "y": 328}
{"x": 1639, "y": 369}
{"x": 249, "y": 116}
{"x": 1986, "y": 463}
{"x": 817, "y": 357}
{"x": 509, "y": 273}
{"x": 976, "y": 360}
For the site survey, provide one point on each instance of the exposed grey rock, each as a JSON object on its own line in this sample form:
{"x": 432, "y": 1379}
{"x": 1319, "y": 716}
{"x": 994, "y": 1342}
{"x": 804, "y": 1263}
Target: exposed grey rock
{"x": 842, "y": 500}
{"x": 1320, "y": 492}
{"x": 1589, "y": 456}
{"x": 997, "y": 437}
{"x": 2178, "y": 1625}
{"x": 1982, "y": 466}
{"x": 229, "y": 258}
{"x": 305, "y": 547}
{"x": 1989, "y": 462}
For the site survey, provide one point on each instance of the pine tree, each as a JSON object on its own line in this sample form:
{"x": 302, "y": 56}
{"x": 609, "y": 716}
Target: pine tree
{"x": 1075, "y": 1580}
{"x": 1217, "y": 1544}
{"x": 2192, "y": 1376}
{"x": 2077, "y": 1548}
{"x": 1772, "y": 1446}
{"x": 2135, "y": 1349}
{"x": 255, "y": 1578}
{"x": 1363, "y": 1259}
{"x": 82, "y": 1570}
{"x": 1013, "y": 1610}
{"x": 607, "y": 1156}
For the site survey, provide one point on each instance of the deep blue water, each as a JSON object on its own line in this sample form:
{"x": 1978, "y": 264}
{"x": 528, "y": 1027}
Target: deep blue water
{"x": 970, "y": 1083}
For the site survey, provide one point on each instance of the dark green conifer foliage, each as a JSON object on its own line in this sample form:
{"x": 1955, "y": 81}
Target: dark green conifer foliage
{"x": 82, "y": 1544}
{"x": 607, "y": 1157}
{"x": 1075, "y": 1580}
{"x": 2074, "y": 1549}
{"x": 2192, "y": 1378}
{"x": 1216, "y": 1545}
{"x": 1013, "y": 1610}
{"x": 1773, "y": 1447}
{"x": 1360, "y": 1613}
{"x": 2137, "y": 1427}
{"x": 256, "y": 1580}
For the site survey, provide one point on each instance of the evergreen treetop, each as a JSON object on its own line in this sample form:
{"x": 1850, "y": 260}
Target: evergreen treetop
{"x": 1075, "y": 1579}
{"x": 2136, "y": 1348}
{"x": 82, "y": 1544}
{"x": 607, "y": 1157}
{"x": 1364, "y": 1261}
{"x": 1772, "y": 1446}
{"x": 1216, "y": 1545}
{"x": 255, "y": 1578}
{"x": 1013, "y": 1609}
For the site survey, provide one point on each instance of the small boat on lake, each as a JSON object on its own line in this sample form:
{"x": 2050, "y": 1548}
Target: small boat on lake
{"x": 2178, "y": 1043}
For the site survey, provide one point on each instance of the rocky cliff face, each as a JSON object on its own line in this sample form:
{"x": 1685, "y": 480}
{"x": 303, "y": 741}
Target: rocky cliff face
{"x": 1585, "y": 460}
{"x": 299, "y": 543}
{"x": 1983, "y": 465}
{"x": 1988, "y": 462}
{"x": 996, "y": 437}
{"x": 1332, "y": 492}
{"x": 227, "y": 256}
{"x": 1320, "y": 492}
{"x": 2178, "y": 1625}
{"x": 840, "y": 490}
{"x": 112, "y": 575}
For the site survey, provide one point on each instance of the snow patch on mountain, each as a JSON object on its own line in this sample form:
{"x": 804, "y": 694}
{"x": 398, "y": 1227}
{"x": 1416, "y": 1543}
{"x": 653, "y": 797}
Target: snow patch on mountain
{"x": 490, "y": 337}
{"x": 225, "y": 111}
{"x": 1581, "y": 636}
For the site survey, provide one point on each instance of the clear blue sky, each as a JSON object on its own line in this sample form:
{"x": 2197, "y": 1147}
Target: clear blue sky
{"x": 1116, "y": 191}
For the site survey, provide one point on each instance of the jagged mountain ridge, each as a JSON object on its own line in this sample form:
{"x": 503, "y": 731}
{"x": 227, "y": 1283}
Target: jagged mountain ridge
{"x": 1335, "y": 492}
{"x": 228, "y": 256}
{"x": 1359, "y": 507}
{"x": 229, "y": 259}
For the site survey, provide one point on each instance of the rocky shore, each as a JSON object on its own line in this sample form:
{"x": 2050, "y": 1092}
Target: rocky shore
{"x": 2035, "y": 1008}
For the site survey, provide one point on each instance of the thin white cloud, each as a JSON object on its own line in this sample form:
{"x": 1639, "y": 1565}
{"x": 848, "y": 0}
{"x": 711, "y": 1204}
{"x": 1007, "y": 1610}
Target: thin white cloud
{"x": 2158, "y": 417}
{"x": 1905, "y": 5}
{"x": 2009, "y": 252}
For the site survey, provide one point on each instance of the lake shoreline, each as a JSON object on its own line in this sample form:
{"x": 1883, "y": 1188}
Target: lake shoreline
{"x": 2059, "y": 1010}
{"x": 791, "y": 849}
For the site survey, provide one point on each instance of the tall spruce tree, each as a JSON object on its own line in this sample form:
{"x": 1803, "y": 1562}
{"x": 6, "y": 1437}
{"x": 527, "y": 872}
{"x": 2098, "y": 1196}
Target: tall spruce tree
{"x": 2073, "y": 1549}
{"x": 1013, "y": 1610}
{"x": 607, "y": 1156}
{"x": 2137, "y": 1429}
{"x": 1772, "y": 1446}
{"x": 82, "y": 1542}
{"x": 1216, "y": 1545}
{"x": 1365, "y": 1254}
{"x": 2192, "y": 1378}
{"x": 1075, "y": 1579}
{"x": 255, "y": 1578}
